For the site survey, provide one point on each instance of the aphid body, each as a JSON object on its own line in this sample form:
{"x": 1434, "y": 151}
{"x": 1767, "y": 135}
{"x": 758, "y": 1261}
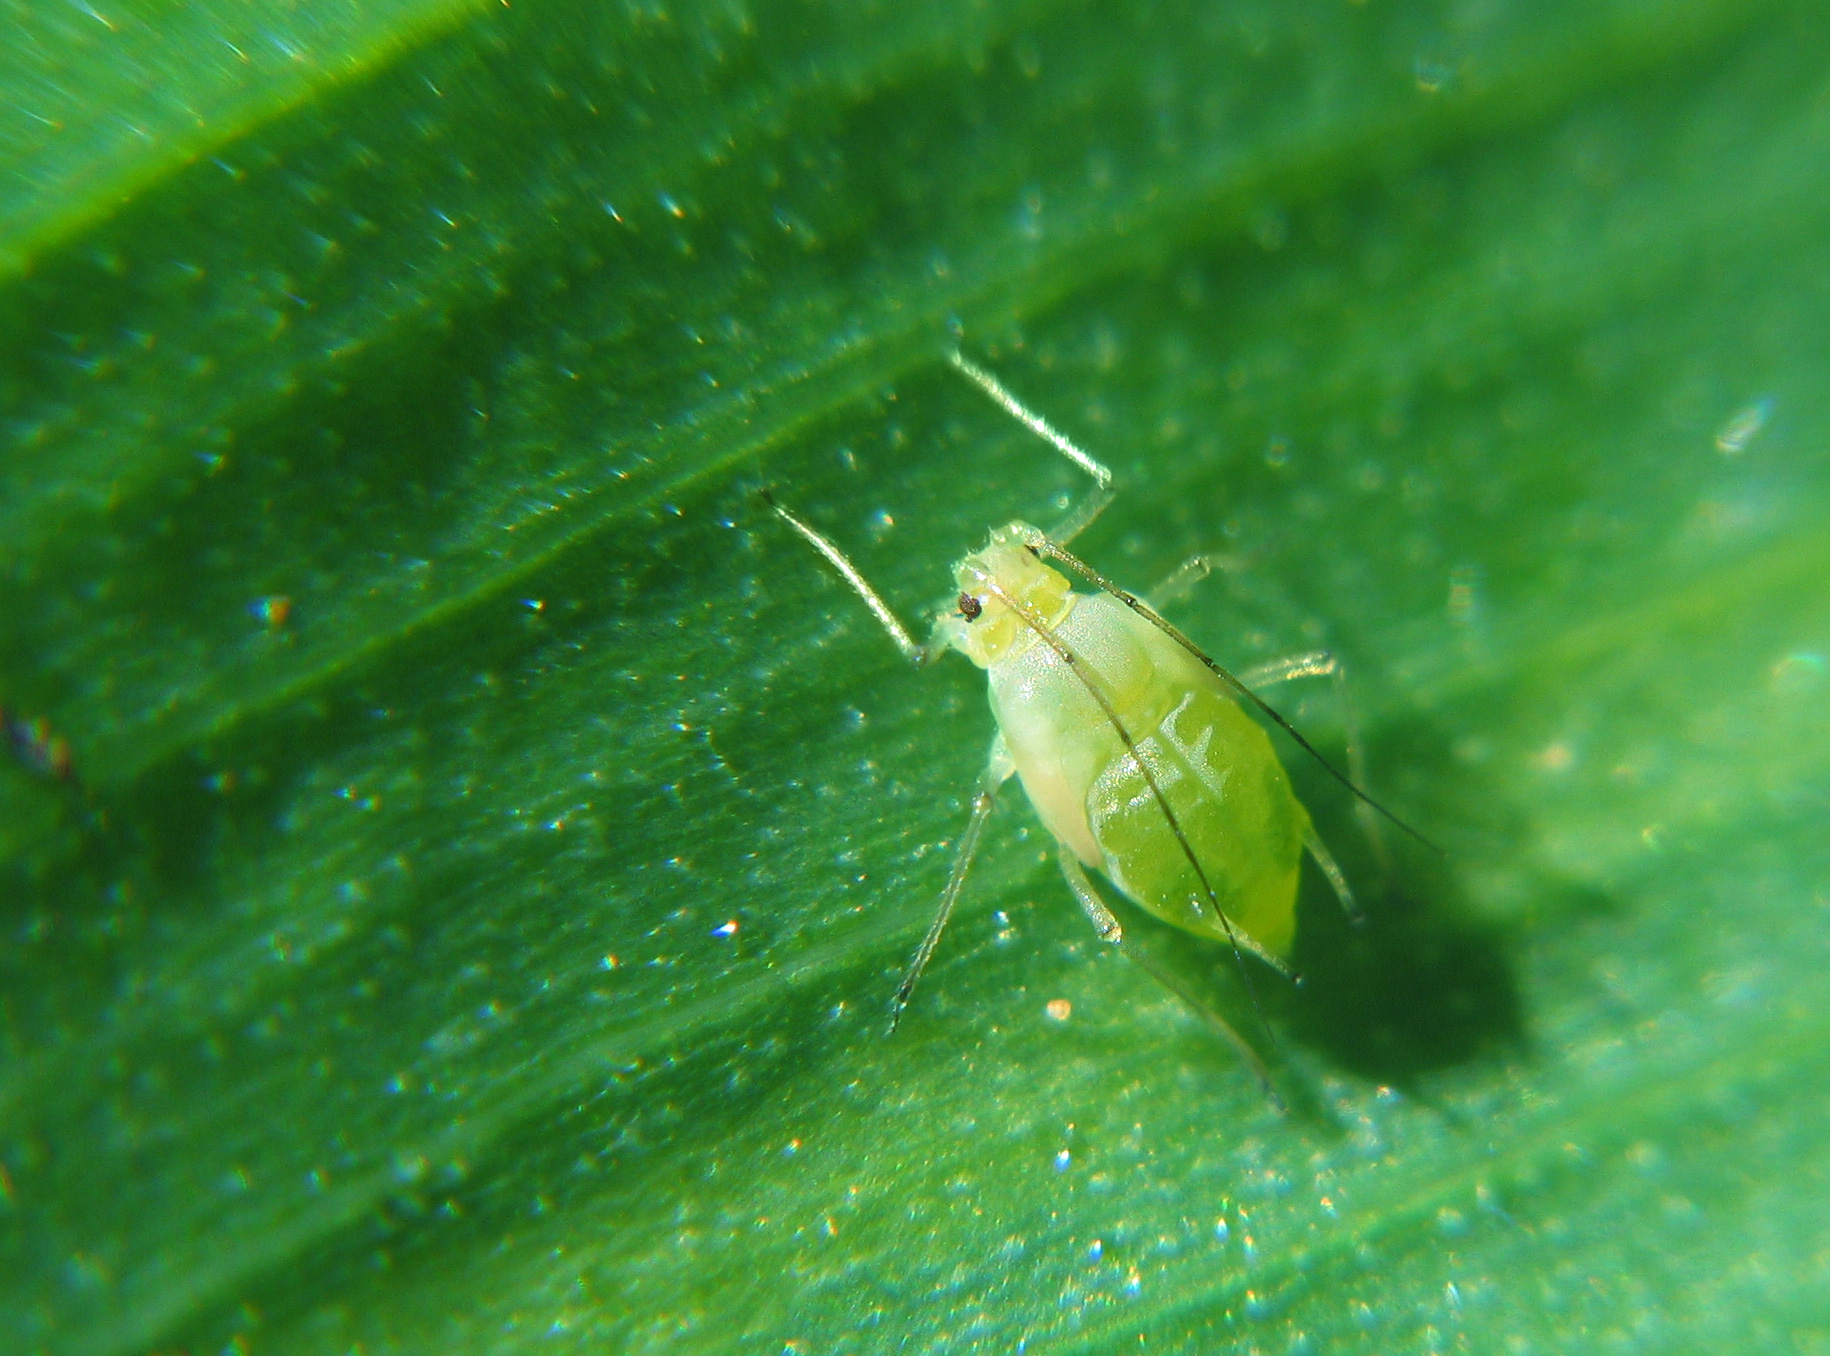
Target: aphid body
{"x": 1129, "y": 741}
{"x": 1211, "y": 762}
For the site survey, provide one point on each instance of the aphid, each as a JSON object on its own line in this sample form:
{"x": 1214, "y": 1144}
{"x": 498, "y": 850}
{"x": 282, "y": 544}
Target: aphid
{"x": 1129, "y": 741}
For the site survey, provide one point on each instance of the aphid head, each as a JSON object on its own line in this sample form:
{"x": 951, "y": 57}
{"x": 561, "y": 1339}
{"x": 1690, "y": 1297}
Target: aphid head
{"x": 984, "y": 628}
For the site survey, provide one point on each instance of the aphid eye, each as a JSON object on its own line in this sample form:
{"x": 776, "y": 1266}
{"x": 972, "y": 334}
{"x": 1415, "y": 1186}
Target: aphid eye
{"x": 970, "y": 607}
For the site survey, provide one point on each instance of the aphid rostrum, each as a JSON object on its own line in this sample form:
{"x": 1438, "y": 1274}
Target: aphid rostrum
{"x": 1129, "y": 741}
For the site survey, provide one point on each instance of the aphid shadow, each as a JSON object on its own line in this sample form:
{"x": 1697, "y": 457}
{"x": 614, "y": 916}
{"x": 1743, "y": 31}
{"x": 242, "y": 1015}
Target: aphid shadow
{"x": 1420, "y": 986}
{"x": 1422, "y": 983}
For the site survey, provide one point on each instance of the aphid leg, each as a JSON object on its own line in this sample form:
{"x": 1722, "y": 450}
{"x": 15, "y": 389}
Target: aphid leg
{"x": 1183, "y": 579}
{"x": 1104, "y": 921}
{"x": 1081, "y": 516}
{"x": 1107, "y": 926}
{"x": 912, "y": 651}
{"x": 1336, "y": 877}
{"x": 998, "y": 768}
{"x": 1323, "y": 664}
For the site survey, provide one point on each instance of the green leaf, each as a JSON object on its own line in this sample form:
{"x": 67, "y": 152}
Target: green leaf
{"x": 491, "y": 838}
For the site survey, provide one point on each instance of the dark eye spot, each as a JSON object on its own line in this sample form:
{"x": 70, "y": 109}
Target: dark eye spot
{"x": 970, "y": 607}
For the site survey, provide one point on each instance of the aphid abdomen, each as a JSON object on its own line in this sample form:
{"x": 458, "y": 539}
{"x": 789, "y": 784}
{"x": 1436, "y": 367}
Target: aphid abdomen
{"x": 1233, "y": 801}
{"x": 1213, "y": 764}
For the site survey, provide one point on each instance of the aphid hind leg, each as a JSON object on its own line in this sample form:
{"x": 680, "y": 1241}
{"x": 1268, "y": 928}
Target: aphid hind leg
{"x": 1106, "y": 924}
{"x": 998, "y": 768}
{"x": 1323, "y": 858}
{"x": 913, "y": 651}
{"x": 1324, "y": 664}
{"x": 1081, "y": 516}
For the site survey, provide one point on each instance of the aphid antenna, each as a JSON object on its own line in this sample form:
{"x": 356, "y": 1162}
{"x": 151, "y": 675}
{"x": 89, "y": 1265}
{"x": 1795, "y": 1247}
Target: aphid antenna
{"x": 1043, "y": 546}
{"x": 916, "y": 653}
{"x": 1030, "y": 420}
{"x": 1102, "y": 494}
{"x": 1065, "y": 652}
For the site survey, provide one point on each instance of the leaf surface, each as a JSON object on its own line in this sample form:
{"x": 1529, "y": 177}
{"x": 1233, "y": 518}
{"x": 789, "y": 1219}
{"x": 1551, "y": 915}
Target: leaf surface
{"x": 492, "y": 837}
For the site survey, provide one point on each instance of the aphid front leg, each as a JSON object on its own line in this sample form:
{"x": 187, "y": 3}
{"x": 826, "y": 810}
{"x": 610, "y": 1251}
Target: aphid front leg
{"x": 1106, "y": 924}
{"x": 998, "y": 768}
{"x": 1324, "y": 664}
